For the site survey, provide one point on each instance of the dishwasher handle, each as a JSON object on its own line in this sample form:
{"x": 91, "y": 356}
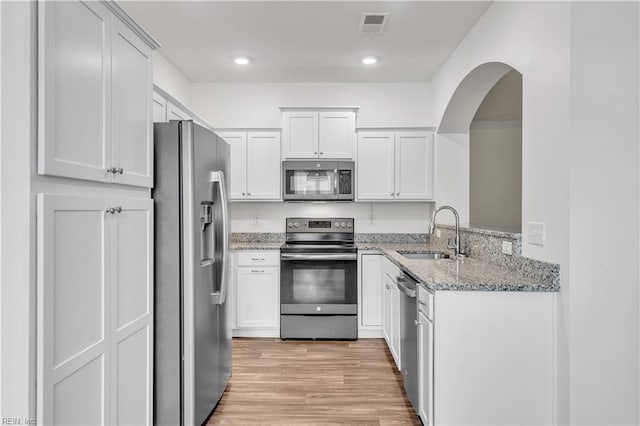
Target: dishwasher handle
{"x": 411, "y": 292}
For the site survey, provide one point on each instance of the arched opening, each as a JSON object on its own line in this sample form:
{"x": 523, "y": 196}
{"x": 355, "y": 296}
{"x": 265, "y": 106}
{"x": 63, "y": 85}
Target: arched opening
{"x": 485, "y": 112}
{"x": 495, "y": 158}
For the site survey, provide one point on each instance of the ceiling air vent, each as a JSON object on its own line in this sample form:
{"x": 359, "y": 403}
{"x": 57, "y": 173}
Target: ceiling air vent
{"x": 373, "y": 23}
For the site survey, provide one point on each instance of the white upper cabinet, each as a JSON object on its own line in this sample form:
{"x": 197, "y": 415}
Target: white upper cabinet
{"x": 74, "y": 90}
{"x": 159, "y": 108}
{"x": 395, "y": 165}
{"x": 414, "y": 166}
{"x": 95, "y": 96}
{"x": 376, "y": 166}
{"x": 174, "y": 112}
{"x": 255, "y": 165}
{"x": 263, "y": 165}
{"x": 313, "y": 134}
{"x": 238, "y": 143}
{"x": 132, "y": 114}
{"x": 300, "y": 134}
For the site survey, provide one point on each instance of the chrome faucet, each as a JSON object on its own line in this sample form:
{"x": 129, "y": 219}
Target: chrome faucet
{"x": 432, "y": 227}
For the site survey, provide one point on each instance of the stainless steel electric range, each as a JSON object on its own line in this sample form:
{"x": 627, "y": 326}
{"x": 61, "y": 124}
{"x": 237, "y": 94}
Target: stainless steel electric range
{"x": 318, "y": 280}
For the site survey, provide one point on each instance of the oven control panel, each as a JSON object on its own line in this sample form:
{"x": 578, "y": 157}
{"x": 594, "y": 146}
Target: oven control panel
{"x": 324, "y": 225}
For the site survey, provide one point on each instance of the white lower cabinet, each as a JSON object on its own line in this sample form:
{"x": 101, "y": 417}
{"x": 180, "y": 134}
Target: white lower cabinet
{"x": 486, "y": 358}
{"x": 257, "y": 294}
{"x": 391, "y": 308}
{"x": 95, "y": 310}
{"x": 369, "y": 295}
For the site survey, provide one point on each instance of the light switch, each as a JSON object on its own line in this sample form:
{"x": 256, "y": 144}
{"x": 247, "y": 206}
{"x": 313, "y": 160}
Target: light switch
{"x": 535, "y": 233}
{"x": 507, "y": 248}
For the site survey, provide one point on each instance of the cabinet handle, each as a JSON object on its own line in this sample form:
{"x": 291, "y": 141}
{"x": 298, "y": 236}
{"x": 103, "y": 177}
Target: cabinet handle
{"x": 120, "y": 170}
{"x": 248, "y": 194}
{"x": 416, "y": 322}
{"x": 118, "y": 209}
{"x": 257, "y": 271}
{"x": 315, "y": 152}
{"x": 111, "y": 170}
{"x": 110, "y": 210}
{"x": 397, "y": 194}
{"x": 392, "y": 194}
{"x": 388, "y": 286}
{"x": 321, "y": 153}
{"x": 243, "y": 194}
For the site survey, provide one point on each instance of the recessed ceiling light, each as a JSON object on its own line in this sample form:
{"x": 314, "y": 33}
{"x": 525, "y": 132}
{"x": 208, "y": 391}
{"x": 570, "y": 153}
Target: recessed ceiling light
{"x": 242, "y": 60}
{"x": 369, "y": 60}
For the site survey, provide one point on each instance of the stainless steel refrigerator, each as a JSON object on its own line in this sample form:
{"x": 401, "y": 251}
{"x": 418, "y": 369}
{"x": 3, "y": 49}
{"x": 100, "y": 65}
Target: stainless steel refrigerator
{"x": 192, "y": 319}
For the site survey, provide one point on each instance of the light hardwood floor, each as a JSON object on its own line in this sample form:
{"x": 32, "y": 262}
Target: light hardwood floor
{"x": 313, "y": 383}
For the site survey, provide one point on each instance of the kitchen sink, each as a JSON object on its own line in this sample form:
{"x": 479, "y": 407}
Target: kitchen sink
{"x": 424, "y": 255}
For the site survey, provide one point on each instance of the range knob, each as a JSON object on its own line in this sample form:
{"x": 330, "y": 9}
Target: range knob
{"x": 344, "y": 225}
{"x": 349, "y": 225}
{"x": 290, "y": 225}
{"x": 337, "y": 225}
{"x": 295, "y": 225}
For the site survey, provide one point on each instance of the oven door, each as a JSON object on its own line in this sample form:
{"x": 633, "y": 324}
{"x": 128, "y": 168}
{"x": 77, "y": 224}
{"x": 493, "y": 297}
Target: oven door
{"x": 318, "y": 284}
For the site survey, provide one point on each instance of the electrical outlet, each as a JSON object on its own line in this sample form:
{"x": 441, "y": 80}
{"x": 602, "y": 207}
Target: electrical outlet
{"x": 256, "y": 221}
{"x": 507, "y": 248}
{"x": 438, "y": 233}
{"x": 535, "y": 233}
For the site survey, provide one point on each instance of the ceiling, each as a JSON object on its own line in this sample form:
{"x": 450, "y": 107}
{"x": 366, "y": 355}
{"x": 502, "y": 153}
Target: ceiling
{"x": 305, "y": 41}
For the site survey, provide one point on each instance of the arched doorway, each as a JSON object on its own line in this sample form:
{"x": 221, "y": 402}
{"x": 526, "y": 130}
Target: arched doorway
{"x": 485, "y": 112}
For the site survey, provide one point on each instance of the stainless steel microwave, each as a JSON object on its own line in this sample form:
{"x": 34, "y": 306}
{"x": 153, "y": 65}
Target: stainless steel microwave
{"x": 311, "y": 180}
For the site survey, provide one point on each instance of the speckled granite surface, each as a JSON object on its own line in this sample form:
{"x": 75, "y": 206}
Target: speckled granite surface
{"x": 503, "y": 273}
{"x": 254, "y": 246}
{"x": 469, "y": 274}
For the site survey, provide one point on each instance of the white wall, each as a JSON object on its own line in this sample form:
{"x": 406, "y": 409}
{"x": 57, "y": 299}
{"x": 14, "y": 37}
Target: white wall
{"x": 604, "y": 329}
{"x": 171, "y": 79}
{"x": 579, "y": 63}
{"x": 495, "y": 176}
{"x": 369, "y": 217}
{"x": 235, "y": 105}
{"x": 533, "y": 38}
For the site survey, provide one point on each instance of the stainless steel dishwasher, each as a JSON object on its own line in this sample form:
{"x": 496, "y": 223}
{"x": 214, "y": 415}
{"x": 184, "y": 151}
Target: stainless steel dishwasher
{"x": 409, "y": 336}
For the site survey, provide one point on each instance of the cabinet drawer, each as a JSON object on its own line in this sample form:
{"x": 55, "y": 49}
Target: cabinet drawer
{"x": 258, "y": 258}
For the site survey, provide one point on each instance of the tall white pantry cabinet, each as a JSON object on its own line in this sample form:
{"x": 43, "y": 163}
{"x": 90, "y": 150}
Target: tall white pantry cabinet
{"x": 95, "y": 252}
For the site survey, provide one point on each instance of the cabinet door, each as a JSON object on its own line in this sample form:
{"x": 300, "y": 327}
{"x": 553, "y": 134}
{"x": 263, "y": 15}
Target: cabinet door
{"x": 74, "y": 79}
{"x": 258, "y": 300}
{"x": 132, "y": 113}
{"x": 159, "y": 108}
{"x": 174, "y": 112}
{"x": 300, "y": 134}
{"x": 375, "y": 166}
{"x": 238, "y": 144}
{"x": 425, "y": 369}
{"x": 73, "y": 333}
{"x": 337, "y": 134}
{"x": 395, "y": 323}
{"x": 371, "y": 301}
{"x": 131, "y": 323}
{"x": 386, "y": 309}
{"x": 263, "y": 165}
{"x": 414, "y": 166}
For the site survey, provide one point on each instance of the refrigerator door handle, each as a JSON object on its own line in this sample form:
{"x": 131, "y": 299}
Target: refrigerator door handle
{"x": 219, "y": 297}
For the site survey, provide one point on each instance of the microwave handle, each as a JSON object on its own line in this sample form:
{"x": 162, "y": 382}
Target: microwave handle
{"x": 336, "y": 178}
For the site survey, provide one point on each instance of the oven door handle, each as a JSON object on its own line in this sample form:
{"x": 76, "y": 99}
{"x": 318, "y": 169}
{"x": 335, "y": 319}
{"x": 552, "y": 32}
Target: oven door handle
{"x": 318, "y": 256}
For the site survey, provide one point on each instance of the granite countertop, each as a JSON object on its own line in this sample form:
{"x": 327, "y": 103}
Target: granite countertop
{"x": 255, "y": 245}
{"x": 465, "y": 274}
